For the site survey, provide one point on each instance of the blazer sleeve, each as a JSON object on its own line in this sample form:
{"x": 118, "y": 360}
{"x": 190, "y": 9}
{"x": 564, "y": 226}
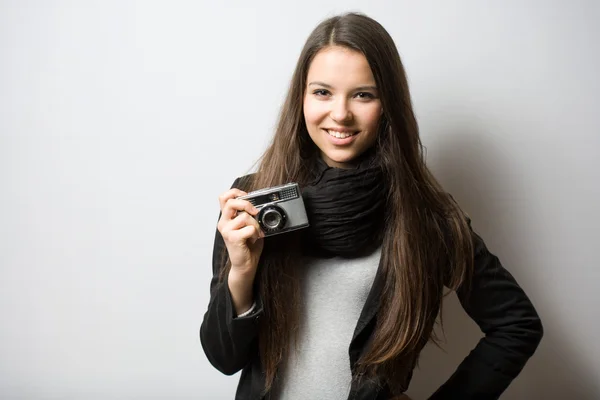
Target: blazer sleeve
{"x": 512, "y": 328}
{"x": 229, "y": 342}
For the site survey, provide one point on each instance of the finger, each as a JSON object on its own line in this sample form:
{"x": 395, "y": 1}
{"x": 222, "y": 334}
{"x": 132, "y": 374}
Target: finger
{"x": 242, "y": 219}
{"x": 249, "y": 232}
{"x": 230, "y": 194}
{"x": 227, "y": 224}
{"x": 233, "y": 206}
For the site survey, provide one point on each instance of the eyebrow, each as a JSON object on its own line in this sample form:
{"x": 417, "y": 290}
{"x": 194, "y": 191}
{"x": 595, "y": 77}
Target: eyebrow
{"x": 325, "y": 85}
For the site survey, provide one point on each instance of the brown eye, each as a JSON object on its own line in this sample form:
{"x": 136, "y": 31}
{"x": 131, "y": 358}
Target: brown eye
{"x": 365, "y": 95}
{"x": 321, "y": 92}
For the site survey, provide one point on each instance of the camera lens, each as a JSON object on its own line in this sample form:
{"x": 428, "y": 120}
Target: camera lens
{"x": 272, "y": 218}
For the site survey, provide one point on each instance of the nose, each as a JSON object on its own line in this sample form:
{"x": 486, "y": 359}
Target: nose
{"x": 340, "y": 112}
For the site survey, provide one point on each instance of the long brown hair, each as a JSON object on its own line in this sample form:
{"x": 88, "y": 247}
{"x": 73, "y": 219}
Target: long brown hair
{"x": 427, "y": 242}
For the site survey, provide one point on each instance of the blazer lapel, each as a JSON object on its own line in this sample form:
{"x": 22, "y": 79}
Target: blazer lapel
{"x": 371, "y": 305}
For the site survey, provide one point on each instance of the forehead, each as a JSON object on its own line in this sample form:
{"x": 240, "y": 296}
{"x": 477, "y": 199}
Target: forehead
{"x": 340, "y": 65}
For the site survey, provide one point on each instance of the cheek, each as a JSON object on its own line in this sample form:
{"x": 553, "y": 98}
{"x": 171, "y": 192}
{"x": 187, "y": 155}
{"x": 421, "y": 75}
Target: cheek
{"x": 371, "y": 118}
{"x": 313, "y": 112}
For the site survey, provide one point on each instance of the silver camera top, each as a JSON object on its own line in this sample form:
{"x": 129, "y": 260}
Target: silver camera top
{"x": 272, "y": 194}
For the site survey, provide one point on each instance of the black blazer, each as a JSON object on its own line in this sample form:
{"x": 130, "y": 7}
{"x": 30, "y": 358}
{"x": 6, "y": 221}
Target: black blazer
{"x": 495, "y": 302}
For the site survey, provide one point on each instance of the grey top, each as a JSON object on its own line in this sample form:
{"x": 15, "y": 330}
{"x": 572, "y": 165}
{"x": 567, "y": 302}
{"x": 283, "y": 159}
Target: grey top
{"x": 334, "y": 292}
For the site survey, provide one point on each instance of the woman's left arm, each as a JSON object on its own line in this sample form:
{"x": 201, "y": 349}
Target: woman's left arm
{"x": 512, "y": 328}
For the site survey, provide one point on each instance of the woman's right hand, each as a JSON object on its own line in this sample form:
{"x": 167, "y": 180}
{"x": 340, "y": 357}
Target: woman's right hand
{"x": 241, "y": 233}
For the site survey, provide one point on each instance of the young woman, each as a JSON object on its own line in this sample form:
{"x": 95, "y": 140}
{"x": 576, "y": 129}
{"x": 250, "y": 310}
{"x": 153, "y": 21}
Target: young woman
{"x": 342, "y": 309}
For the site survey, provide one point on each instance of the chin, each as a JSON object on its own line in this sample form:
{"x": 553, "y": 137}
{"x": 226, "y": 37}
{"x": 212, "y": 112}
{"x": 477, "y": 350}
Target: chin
{"x": 348, "y": 160}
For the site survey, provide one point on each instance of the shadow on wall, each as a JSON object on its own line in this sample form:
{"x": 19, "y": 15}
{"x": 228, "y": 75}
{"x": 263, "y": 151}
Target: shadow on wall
{"x": 469, "y": 168}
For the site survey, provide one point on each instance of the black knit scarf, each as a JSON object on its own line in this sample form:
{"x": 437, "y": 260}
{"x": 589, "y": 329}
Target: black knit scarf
{"x": 346, "y": 209}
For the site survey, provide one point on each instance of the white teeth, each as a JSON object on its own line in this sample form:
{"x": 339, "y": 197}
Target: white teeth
{"x": 339, "y": 135}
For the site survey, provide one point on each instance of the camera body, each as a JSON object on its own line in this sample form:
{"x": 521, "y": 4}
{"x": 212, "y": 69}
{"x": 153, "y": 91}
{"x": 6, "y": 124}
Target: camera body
{"x": 281, "y": 208}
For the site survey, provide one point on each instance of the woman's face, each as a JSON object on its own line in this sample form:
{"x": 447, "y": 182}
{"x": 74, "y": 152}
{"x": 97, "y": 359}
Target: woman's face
{"x": 341, "y": 105}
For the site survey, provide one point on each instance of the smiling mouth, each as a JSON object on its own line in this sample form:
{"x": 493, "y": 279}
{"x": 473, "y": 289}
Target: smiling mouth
{"x": 340, "y": 135}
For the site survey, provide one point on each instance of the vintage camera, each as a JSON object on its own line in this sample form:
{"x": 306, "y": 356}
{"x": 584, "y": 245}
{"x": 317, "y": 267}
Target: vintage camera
{"x": 281, "y": 208}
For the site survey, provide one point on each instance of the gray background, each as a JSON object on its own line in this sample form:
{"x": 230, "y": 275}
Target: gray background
{"x": 121, "y": 122}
